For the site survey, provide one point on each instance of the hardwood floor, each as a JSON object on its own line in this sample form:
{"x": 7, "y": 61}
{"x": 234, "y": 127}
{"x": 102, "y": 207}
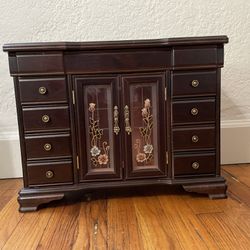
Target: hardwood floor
{"x": 169, "y": 219}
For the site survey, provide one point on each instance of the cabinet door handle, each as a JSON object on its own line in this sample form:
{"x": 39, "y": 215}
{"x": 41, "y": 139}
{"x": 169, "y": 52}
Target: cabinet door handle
{"x": 126, "y": 117}
{"x": 116, "y": 120}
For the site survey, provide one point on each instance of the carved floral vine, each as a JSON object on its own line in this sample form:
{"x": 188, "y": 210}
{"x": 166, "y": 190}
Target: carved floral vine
{"x": 99, "y": 155}
{"x": 145, "y": 131}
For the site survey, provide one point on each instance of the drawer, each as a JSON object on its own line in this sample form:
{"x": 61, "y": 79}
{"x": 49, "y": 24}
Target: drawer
{"x": 43, "y": 90}
{"x": 193, "y": 138}
{"x": 194, "y": 164}
{"x": 193, "y": 111}
{"x": 48, "y": 146}
{"x": 40, "y": 63}
{"x": 46, "y": 118}
{"x": 194, "y": 83}
{"x": 48, "y": 173}
{"x": 195, "y": 56}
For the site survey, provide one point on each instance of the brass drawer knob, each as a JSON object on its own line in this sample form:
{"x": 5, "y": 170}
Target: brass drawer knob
{"x": 195, "y": 138}
{"x": 42, "y": 90}
{"x": 47, "y": 147}
{"x": 45, "y": 118}
{"x": 49, "y": 174}
{"x": 195, "y": 83}
{"x": 195, "y": 165}
{"x": 194, "y": 111}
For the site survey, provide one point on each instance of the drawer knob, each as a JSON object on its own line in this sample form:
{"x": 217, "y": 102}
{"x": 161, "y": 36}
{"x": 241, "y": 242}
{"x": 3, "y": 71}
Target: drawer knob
{"x": 195, "y": 165}
{"x": 42, "y": 90}
{"x": 195, "y": 83}
{"x": 195, "y": 138}
{"x": 45, "y": 118}
{"x": 49, "y": 174}
{"x": 47, "y": 147}
{"x": 194, "y": 111}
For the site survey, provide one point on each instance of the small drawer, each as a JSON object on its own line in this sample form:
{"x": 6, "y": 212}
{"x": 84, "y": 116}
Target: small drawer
{"x": 40, "y": 63}
{"x": 49, "y": 173}
{"x": 46, "y": 118}
{"x": 193, "y": 111}
{"x": 194, "y": 83}
{"x": 43, "y": 90}
{"x": 195, "y": 56}
{"x": 48, "y": 146}
{"x": 194, "y": 164}
{"x": 193, "y": 138}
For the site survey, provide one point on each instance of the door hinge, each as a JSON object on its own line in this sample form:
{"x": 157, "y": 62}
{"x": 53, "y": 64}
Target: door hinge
{"x": 73, "y": 97}
{"x": 165, "y": 91}
{"x": 167, "y": 157}
{"x": 122, "y": 164}
{"x": 77, "y": 162}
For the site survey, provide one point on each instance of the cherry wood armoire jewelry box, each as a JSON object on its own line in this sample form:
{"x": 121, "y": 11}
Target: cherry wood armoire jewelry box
{"x": 96, "y": 115}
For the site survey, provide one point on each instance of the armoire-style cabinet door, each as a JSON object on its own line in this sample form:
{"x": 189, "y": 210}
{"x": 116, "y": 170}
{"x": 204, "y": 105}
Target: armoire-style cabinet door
{"x": 145, "y": 133}
{"x": 98, "y": 130}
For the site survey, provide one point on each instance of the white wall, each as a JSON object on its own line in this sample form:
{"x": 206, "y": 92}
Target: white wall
{"x": 82, "y": 20}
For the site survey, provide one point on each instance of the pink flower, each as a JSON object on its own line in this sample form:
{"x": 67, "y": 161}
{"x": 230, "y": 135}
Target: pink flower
{"x": 141, "y": 157}
{"x": 147, "y": 103}
{"x": 92, "y": 107}
{"x": 103, "y": 159}
{"x": 144, "y": 112}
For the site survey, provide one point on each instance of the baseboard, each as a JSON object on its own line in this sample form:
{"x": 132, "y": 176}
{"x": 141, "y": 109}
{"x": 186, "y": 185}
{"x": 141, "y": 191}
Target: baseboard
{"x": 235, "y": 141}
{"x": 235, "y": 147}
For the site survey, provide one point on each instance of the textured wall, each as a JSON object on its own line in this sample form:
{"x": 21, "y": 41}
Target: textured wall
{"x": 82, "y": 20}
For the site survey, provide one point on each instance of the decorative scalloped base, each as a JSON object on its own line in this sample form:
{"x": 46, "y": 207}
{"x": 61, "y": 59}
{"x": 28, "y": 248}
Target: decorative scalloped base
{"x": 30, "y": 198}
{"x": 214, "y": 190}
{"x": 29, "y": 203}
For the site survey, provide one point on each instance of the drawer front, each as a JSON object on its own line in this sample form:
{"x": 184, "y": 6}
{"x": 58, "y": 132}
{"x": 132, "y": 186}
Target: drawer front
{"x": 194, "y": 164}
{"x": 194, "y": 111}
{"x": 194, "y": 138}
{"x": 40, "y": 63}
{"x": 50, "y": 173}
{"x": 43, "y": 90}
{"x": 194, "y": 83}
{"x": 195, "y": 56}
{"x": 48, "y": 146}
{"x": 46, "y": 118}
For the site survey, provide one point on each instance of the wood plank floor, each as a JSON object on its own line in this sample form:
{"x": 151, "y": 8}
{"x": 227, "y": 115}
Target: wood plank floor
{"x": 171, "y": 219}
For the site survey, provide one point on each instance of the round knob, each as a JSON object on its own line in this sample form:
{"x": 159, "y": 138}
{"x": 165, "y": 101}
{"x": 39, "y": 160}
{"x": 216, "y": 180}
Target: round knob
{"x": 49, "y": 174}
{"x": 195, "y": 138}
{"x": 194, "y": 111}
{"x": 42, "y": 90}
{"x": 47, "y": 147}
{"x": 195, "y": 83}
{"x": 45, "y": 118}
{"x": 195, "y": 165}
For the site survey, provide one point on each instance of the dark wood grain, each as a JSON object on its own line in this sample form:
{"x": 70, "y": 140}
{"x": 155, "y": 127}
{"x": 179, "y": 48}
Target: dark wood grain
{"x": 68, "y": 70}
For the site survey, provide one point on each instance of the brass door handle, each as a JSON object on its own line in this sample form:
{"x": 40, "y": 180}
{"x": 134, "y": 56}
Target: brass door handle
{"x": 126, "y": 117}
{"x": 116, "y": 120}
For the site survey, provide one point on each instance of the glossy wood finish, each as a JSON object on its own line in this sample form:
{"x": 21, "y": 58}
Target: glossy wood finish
{"x": 159, "y": 219}
{"x": 75, "y": 77}
{"x": 58, "y": 118}
{"x": 55, "y": 90}
{"x": 182, "y": 83}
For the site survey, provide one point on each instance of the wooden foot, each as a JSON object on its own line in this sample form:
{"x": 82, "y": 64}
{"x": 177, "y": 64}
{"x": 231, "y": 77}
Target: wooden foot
{"x": 214, "y": 190}
{"x": 30, "y": 203}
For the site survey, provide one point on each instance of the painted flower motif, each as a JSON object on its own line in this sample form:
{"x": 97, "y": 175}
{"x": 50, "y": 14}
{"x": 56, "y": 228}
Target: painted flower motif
{"x": 148, "y": 148}
{"x": 95, "y": 151}
{"x": 141, "y": 157}
{"x": 147, "y": 103}
{"x": 92, "y": 107}
{"x": 144, "y": 112}
{"x": 103, "y": 159}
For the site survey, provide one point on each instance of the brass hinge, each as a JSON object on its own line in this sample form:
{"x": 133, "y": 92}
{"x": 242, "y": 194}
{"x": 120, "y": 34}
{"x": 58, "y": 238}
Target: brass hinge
{"x": 73, "y": 97}
{"x": 77, "y": 162}
{"x": 167, "y": 157}
{"x": 165, "y": 94}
